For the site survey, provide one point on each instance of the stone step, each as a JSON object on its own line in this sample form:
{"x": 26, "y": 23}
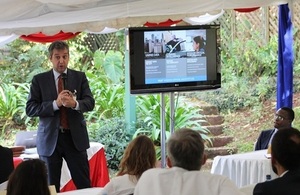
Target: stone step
{"x": 215, "y": 130}
{"x": 213, "y": 120}
{"x": 209, "y": 110}
{"x": 219, "y": 151}
{"x": 219, "y": 141}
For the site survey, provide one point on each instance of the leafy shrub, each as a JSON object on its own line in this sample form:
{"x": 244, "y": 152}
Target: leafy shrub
{"x": 11, "y": 105}
{"x": 112, "y": 134}
{"x": 185, "y": 115}
{"x": 296, "y": 122}
{"x": 106, "y": 82}
{"x": 239, "y": 92}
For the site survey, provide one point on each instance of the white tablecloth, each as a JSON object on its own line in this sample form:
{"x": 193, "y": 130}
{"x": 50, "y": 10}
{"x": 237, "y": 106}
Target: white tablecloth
{"x": 87, "y": 191}
{"x": 244, "y": 169}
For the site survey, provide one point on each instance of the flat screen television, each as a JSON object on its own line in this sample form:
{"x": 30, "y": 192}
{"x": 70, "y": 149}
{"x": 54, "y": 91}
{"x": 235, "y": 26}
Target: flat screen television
{"x": 171, "y": 59}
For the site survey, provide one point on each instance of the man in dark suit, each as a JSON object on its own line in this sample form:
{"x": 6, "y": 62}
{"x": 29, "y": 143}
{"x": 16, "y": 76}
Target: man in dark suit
{"x": 62, "y": 131}
{"x": 283, "y": 118}
{"x": 6, "y": 163}
{"x": 285, "y": 159}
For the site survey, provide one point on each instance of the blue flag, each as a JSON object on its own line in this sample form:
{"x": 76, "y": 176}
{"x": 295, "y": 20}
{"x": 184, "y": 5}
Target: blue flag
{"x": 285, "y": 58}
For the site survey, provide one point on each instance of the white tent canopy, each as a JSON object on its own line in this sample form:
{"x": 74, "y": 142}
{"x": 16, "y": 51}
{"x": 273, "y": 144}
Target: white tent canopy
{"x": 23, "y": 17}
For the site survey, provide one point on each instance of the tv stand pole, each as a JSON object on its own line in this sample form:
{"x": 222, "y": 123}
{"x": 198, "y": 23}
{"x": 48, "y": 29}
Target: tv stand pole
{"x": 163, "y": 125}
{"x": 162, "y": 131}
{"x": 172, "y": 113}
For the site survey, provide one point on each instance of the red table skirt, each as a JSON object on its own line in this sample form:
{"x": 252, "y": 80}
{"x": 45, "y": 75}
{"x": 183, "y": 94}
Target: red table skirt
{"x": 17, "y": 161}
{"x": 98, "y": 169}
{"x": 98, "y": 172}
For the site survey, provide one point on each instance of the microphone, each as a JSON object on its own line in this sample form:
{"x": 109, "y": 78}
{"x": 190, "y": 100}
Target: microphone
{"x": 64, "y": 78}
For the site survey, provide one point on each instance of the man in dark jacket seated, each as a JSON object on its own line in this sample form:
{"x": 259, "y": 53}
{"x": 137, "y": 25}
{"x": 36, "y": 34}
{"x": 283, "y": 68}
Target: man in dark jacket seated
{"x": 285, "y": 159}
{"x": 6, "y": 163}
{"x": 283, "y": 118}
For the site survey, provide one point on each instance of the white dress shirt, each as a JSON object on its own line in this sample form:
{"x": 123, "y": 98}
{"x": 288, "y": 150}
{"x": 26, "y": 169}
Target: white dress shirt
{"x": 178, "y": 181}
{"x": 120, "y": 185}
{"x": 270, "y": 141}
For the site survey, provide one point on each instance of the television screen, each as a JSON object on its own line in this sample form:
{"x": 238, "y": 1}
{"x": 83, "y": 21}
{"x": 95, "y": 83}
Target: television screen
{"x": 170, "y": 59}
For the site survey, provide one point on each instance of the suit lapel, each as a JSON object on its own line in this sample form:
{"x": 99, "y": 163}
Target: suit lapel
{"x": 51, "y": 84}
{"x": 69, "y": 79}
{"x": 73, "y": 80}
{"x": 269, "y": 138}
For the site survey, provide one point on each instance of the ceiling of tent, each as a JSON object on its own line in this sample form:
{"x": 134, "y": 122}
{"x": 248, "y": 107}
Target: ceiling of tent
{"x": 23, "y": 17}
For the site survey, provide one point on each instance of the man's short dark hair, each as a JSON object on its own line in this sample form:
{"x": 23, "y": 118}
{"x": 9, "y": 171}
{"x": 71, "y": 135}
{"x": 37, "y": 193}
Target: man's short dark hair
{"x": 291, "y": 113}
{"x": 286, "y": 148}
{"x": 59, "y": 45}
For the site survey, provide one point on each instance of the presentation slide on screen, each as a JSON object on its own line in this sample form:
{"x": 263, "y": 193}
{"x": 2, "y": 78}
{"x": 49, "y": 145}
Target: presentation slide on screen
{"x": 175, "y": 56}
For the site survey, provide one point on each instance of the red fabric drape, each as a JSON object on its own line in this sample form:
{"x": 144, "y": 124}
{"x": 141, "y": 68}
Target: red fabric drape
{"x": 168, "y": 22}
{"x": 42, "y": 38}
{"x": 98, "y": 172}
{"x": 245, "y": 10}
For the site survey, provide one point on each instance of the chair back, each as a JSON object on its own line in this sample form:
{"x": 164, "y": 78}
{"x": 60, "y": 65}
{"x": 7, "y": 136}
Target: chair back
{"x": 26, "y": 139}
{"x": 6, "y": 163}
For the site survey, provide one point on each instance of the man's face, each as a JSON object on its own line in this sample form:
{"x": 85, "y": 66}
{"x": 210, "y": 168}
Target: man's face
{"x": 282, "y": 119}
{"x": 60, "y": 60}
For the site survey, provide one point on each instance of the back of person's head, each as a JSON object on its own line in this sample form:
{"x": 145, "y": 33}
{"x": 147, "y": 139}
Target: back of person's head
{"x": 58, "y": 45}
{"x": 29, "y": 178}
{"x": 6, "y": 163}
{"x": 138, "y": 157}
{"x": 286, "y": 148}
{"x": 186, "y": 149}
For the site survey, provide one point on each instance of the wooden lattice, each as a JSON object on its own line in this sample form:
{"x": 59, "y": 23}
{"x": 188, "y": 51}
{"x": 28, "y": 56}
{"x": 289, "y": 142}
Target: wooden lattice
{"x": 259, "y": 26}
{"x": 102, "y": 42}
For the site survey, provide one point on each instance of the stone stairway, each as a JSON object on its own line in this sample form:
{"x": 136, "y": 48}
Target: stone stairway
{"x": 214, "y": 123}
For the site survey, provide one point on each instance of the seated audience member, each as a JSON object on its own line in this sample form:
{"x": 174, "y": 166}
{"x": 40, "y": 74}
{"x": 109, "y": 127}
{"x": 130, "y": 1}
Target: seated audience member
{"x": 283, "y": 118}
{"x": 185, "y": 158}
{"x": 285, "y": 159}
{"x": 6, "y": 163}
{"x": 138, "y": 157}
{"x": 29, "y": 178}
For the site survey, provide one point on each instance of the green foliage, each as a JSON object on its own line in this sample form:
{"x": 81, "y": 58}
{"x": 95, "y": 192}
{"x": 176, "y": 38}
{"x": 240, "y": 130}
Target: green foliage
{"x": 105, "y": 79}
{"x": 22, "y": 95}
{"x": 109, "y": 99}
{"x": 240, "y": 93}
{"x": 296, "y": 122}
{"x": 11, "y": 105}
{"x": 148, "y": 109}
{"x": 110, "y": 63}
{"x": 112, "y": 134}
{"x": 20, "y": 60}
{"x": 252, "y": 63}
{"x": 296, "y": 67}
{"x": 248, "y": 75}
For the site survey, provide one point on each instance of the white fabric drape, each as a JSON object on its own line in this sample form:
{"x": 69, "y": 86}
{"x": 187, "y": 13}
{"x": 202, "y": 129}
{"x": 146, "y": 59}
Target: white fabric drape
{"x": 7, "y": 39}
{"x": 203, "y": 19}
{"x": 23, "y": 17}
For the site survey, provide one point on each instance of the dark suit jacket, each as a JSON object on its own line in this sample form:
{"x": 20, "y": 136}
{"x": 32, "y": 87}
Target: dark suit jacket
{"x": 263, "y": 139}
{"x": 6, "y": 163}
{"x": 288, "y": 184}
{"x": 42, "y": 94}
